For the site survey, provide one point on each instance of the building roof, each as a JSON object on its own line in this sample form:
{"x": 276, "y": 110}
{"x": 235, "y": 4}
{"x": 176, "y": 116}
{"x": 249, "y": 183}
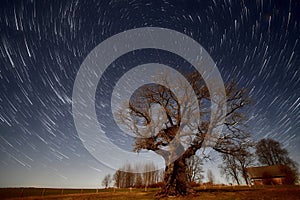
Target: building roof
{"x": 266, "y": 171}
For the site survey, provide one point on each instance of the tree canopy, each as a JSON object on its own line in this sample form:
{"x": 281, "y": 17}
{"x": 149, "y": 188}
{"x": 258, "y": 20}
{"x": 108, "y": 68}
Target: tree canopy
{"x": 270, "y": 152}
{"x": 176, "y": 127}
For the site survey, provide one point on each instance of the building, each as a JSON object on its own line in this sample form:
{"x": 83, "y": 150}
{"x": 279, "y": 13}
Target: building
{"x": 268, "y": 175}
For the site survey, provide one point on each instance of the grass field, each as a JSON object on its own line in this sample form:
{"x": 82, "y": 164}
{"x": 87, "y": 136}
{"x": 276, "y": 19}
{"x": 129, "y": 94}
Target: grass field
{"x": 214, "y": 193}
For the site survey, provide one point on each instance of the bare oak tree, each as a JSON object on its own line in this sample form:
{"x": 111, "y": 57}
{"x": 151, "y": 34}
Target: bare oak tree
{"x": 177, "y": 126}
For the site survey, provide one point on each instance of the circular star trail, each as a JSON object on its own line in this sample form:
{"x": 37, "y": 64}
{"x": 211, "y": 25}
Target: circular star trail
{"x": 43, "y": 44}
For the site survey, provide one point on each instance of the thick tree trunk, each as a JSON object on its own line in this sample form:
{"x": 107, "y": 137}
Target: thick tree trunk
{"x": 175, "y": 180}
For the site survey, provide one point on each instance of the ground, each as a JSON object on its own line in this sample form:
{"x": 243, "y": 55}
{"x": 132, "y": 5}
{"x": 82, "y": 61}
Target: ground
{"x": 215, "y": 193}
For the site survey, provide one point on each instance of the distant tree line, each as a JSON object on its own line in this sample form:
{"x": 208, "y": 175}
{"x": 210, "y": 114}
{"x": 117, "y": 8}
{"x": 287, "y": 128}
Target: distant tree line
{"x": 125, "y": 177}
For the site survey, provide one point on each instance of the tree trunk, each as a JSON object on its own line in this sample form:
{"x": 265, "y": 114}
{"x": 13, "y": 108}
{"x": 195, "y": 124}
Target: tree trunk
{"x": 245, "y": 176}
{"x": 237, "y": 179}
{"x": 175, "y": 180}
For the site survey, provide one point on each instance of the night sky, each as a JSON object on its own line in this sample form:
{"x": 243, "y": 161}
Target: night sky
{"x": 43, "y": 44}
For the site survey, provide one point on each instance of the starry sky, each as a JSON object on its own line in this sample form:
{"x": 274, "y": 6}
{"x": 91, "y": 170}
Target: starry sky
{"x": 43, "y": 44}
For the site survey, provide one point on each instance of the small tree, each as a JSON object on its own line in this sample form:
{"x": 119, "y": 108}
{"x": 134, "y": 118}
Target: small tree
{"x": 229, "y": 168}
{"x": 235, "y": 165}
{"x": 138, "y": 180}
{"x": 195, "y": 169}
{"x": 118, "y": 177}
{"x": 129, "y": 176}
{"x": 106, "y": 181}
{"x": 149, "y": 174}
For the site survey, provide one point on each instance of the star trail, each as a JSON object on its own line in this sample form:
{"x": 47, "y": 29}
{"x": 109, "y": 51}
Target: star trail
{"x": 43, "y": 44}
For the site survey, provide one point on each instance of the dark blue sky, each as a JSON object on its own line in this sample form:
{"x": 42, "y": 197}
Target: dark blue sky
{"x": 43, "y": 44}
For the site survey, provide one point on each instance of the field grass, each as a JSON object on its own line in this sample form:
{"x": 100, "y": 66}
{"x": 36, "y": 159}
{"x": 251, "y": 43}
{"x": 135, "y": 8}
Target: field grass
{"x": 6, "y": 193}
{"x": 26, "y": 192}
{"x": 211, "y": 193}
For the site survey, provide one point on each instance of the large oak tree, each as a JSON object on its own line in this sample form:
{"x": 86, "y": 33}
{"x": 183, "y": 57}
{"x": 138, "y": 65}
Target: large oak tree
{"x": 176, "y": 127}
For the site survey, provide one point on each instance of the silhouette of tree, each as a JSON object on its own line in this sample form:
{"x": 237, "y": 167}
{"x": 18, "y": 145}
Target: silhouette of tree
{"x": 230, "y": 168}
{"x": 270, "y": 152}
{"x": 235, "y": 165}
{"x": 106, "y": 181}
{"x": 195, "y": 169}
{"x": 125, "y": 177}
{"x": 118, "y": 177}
{"x": 174, "y": 128}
